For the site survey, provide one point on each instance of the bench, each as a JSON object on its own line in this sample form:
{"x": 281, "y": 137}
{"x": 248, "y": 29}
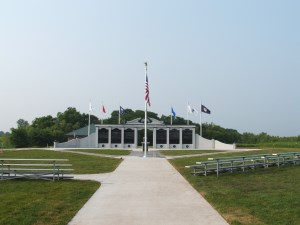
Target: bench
{"x": 287, "y": 158}
{"x": 47, "y": 169}
{"x": 238, "y": 162}
{"x": 202, "y": 168}
{"x": 230, "y": 164}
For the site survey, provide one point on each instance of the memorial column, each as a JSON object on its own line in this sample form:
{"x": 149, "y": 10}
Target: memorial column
{"x": 109, "y": 137}
{"x": 154, "y": 138}
{"x": 122, "y": 137}
{"x": 180, "y": 137}
{"x": 194, "y": 137}
{"x": 136, "y": 137}
{"x": 168, "y": 138}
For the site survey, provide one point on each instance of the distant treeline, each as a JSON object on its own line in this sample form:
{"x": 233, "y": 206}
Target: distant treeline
{"x": 45, "y": 130}
{"x": 4, "y": 133}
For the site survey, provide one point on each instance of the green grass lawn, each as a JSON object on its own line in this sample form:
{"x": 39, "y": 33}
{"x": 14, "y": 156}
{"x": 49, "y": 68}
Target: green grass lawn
{"x": 185, "y": 152}
{"x": 27, "y": 202}
{"x": 281, "y": 144}
{"x": 82, "y": 164}
{"x": 264, "y": 196}
{"x": 39, "y": 202}
{"x": 103, "y": 151}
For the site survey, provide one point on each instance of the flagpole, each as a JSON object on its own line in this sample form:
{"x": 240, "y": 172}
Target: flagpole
{"x": 102, "y": 114}
{"x": 201, "y": 118}
{"x": 187, "y": 114}
{"x": 89, "y": 124}
{"x": 90, "y": 109}
{"x": 145, "y": 121}
{"x": 119, "y": 114}
{"x": 171, "y": 115}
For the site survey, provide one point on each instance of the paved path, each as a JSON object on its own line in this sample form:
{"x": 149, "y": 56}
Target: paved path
{"x": 145, "y": 191}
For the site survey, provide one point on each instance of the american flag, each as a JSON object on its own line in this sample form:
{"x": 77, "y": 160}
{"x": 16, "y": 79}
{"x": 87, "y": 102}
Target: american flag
{"x": 147, "y": 98}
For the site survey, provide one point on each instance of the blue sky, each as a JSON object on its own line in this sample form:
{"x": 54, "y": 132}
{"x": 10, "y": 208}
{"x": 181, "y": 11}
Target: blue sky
{"x": 240, "y": 58}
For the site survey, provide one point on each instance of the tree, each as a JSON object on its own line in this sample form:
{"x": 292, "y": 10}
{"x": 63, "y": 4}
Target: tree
{"x": 128, "y": 116}
{"x": 47, "y": 129}
{"x": 212, "y": 131}
{"x": 43, "y": 122}
{"x": 39, "y": 137}
{"x": 22, "y": 124}
{"x": 2, "y": 133}
{"x": 176, "y": 121}
{"x": 19, "y": 137}
{"x": 5, "y": 142}
{"x": 69, "y": 120}
{"x": 248, "y": 138}
{"x": 264, "y": 137}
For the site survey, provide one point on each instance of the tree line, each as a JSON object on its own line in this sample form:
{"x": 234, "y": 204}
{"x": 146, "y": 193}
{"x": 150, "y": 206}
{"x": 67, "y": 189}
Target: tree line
{"x": 43, "y": 131}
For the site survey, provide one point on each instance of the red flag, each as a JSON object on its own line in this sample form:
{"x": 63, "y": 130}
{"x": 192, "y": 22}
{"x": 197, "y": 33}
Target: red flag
{"x": 103, "y": 109}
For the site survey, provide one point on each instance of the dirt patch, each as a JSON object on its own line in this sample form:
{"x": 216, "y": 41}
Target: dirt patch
{"x": 240, "y": 216}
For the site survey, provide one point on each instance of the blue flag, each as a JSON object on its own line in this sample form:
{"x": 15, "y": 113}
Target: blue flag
{"x": 173, "y": 112}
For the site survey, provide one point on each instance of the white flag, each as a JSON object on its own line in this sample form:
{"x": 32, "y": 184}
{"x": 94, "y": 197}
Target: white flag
{"x": 90, "y": 107}
{"x": 192, "y": 110}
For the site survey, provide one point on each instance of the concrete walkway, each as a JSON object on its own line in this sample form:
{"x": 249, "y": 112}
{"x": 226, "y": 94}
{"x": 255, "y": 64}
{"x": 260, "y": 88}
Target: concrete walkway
{"x": 145, "y": 191}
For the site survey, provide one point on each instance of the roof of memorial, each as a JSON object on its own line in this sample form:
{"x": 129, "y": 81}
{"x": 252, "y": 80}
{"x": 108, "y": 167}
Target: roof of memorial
{"x": 140, "y": 121}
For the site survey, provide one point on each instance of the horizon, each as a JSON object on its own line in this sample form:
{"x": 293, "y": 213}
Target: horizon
{"x": 158, "y": 115}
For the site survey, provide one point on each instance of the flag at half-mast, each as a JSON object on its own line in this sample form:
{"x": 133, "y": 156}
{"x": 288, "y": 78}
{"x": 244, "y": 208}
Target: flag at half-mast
{"x": 204, "y": 109}
{"x": 191, "y": 109}
{"x": 90, "y": 107}
{"x": 147, "y": 97}
{"x": 173, "y": 112}
{"x": 122, "y": 110}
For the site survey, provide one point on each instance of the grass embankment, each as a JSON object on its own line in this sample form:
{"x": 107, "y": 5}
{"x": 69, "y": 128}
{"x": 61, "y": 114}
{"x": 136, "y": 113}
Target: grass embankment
{"x": 116, "y": 152}
{"x": 82, "y": 164}
{"x": 186, "y": 152}
{"x": 39, "y": 202}
{"x": 263, "y": 196}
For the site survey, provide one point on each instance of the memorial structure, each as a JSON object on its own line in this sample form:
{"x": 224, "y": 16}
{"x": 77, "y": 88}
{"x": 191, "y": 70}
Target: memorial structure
{"x": 130, "y": 136}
